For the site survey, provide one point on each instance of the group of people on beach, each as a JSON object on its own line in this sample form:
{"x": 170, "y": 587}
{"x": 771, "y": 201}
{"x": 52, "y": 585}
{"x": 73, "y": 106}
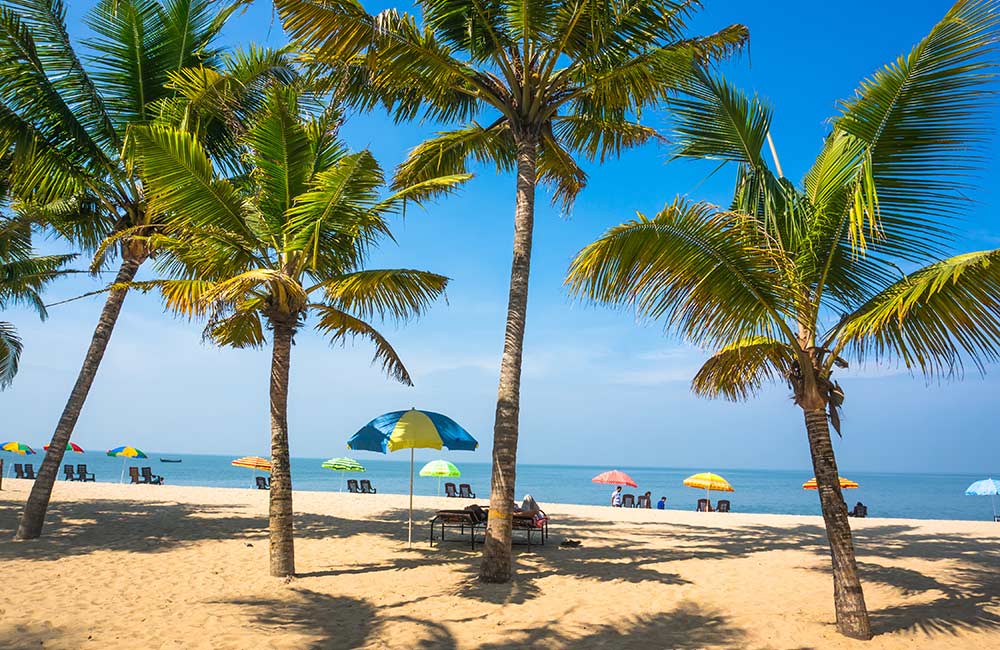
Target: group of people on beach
{"x": 616, "y": 499}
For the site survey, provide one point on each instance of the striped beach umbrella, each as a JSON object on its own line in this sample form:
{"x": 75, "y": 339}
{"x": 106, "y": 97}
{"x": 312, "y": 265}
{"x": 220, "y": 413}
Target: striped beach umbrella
{"x": 343, "y": 465}
{"x": 70, "y": 446}
{"x": 255, "y": 463}
{"x": 440, "y": 469}
{"x": 125, "y": 452}
{"x": 411, "y": 430}
{"x": 845, "y": 484}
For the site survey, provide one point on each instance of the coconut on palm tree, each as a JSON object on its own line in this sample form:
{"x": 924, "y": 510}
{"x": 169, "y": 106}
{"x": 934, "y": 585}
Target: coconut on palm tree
{"x": 65, "y": 111}
{"x": 531, "y": 86}
{"x": 795, "y": 281}
{"x": 279, "y": 243}
{"x": 23, "y": 275}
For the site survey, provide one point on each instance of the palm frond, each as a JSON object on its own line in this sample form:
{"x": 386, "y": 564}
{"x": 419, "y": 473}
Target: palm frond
{"x": 933, "y": 319}
{"x": 10, "y": 353}
{"x": 397, "y": 294}
{"x": 694, "y": 268}
{"x": 339, "y": 326}
{"x": 449, "y": 152}
{"x": 738, "y": 371}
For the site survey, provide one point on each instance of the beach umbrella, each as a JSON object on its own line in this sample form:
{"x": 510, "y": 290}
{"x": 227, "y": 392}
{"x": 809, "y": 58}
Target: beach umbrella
{"x": 70, "y": 446}
{"x": 411, "y": 430}
{"x": 614, "y": 477}
{"x": 255, "y": 463}
{"x": 845, "y": 484}
{"x": 343, "y": 465}
{"x": 708, "y": 482}
{"x": 18, "y": 448}
{"x": 985, "y": 488}
{"x": 440, "y": 469}
{"x": 126, "y": 452}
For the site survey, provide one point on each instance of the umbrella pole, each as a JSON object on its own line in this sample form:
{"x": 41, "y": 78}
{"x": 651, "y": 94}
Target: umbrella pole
{"x": 409, "y": 532}
{"x": 121, "y": 479}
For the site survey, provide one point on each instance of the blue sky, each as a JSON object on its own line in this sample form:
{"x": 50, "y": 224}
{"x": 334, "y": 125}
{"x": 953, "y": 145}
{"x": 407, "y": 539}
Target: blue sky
{"x": 598, "y": 388}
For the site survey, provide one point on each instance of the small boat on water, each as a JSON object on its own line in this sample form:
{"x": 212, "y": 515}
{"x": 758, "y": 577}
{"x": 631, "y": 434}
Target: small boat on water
{"x": 171, "y": 460}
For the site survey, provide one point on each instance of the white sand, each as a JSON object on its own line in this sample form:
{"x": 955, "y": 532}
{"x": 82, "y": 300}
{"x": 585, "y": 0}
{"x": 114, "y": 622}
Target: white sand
{"x": 143, "y": 567}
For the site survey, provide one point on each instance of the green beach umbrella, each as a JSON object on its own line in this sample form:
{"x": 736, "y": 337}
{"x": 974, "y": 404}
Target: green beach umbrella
{"x": 440, "y": 469}
{"x": 343, "y": 465}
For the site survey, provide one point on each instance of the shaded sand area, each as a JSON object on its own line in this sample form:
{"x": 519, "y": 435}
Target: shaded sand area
{"x": 183, "y": 567}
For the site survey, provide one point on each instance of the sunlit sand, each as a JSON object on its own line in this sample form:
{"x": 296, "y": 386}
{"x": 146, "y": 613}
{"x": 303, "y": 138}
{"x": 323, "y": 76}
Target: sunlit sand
{"x": 125, "y": 566}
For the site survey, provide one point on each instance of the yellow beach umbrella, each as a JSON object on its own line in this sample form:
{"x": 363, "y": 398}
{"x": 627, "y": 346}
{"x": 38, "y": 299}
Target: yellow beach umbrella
{"x": 708, "y": 481}
{"x": 253, "y": 462}
{"x": 845, "y": 484}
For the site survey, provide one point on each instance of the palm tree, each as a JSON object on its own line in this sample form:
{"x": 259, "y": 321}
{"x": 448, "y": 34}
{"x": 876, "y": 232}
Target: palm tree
{"x": 549, "y": 80}
{"x": 791, "y": 282}
{"x": 282, "y": 241}
{"x": 64, "y": 115}
{"x": 23, "y": 275}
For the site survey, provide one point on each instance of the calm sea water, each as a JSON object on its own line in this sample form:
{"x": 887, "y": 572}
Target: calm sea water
{"x": 918, "y": 496}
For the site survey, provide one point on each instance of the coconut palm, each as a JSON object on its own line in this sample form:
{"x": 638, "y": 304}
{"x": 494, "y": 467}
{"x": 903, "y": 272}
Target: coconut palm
{"x": 792, "y": 281}
{"x": 281, "y": 242}
{"x": 23, "y": 275}
{"x": 532, "y": 85}
{"x": 65, "y": 109}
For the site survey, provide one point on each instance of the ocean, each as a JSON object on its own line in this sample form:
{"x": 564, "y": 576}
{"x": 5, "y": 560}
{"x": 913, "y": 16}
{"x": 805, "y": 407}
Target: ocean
{"x": 914, "y": 496}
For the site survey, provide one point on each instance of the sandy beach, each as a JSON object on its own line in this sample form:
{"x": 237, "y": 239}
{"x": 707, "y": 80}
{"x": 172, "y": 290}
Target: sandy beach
{"x": 183, "y": 567}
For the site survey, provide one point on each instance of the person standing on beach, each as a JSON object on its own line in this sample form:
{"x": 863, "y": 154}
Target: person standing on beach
{"x": 616, "y": 497}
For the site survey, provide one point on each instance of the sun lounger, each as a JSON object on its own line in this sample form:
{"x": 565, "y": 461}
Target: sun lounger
{"x": 263, "y": 483}
{"x": 470, "y": 519}
{"x": 531, "y": 523}
{"x": 366, "y": 487}
{"x": 18, "y": 470}
{"x": 29, "y": 471}
{"x": 83, "y": 475}
{"x": 465, "y": 491}
{"x": 149, "y": 477}
{"x": 722, "y": 505}
{"x": 133, "y": 474}
{"x": 628, "y": 500}
{"x": 449, "y": 490}
{"x": 68, "y": 472}
{"x": 352, "y": 486}
{"x": 643, "y": 501}
{"x": 704, "y": 505}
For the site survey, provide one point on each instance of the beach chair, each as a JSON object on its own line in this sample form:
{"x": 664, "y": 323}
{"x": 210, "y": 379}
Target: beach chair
{"x": 628, "y": 500}
{"x": 366, "y": 487}
{"x": 643, "y": 501}
{"x": 263, "y": 483}
{"x": 352, "y": 486}
{"x": 472, "y": 518}
{"x": 465, "y": 491}
{"x": 722, "y": 505}
{"x": 83, "y": 475}
{"x": 449, "y": 490}
{"x": 18, "y": 470}
{"x": 149, "y": 477}
{"x": 133, "y": 474}
{"x": 69, "y": 473}
{"x": 29, "y": 471}
{"x": 704, "y": 505}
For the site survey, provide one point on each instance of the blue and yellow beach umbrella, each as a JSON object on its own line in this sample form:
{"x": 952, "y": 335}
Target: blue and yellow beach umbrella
{"x": 411, "y": 430}
{"x": 125, "y": 452}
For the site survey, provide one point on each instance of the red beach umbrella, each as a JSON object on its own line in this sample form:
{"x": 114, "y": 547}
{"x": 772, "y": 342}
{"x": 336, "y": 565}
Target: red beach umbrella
{"x": 71, "y": 446}
{"x": 614, "y": 477}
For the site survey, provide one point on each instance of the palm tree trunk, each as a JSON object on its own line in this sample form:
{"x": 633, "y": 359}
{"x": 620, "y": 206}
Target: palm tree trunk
{"x": 496, "y": 566}
{"x": 849, "y": 599}
{"x": 33, "y": 516}
{"x": 280, "y": 521}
